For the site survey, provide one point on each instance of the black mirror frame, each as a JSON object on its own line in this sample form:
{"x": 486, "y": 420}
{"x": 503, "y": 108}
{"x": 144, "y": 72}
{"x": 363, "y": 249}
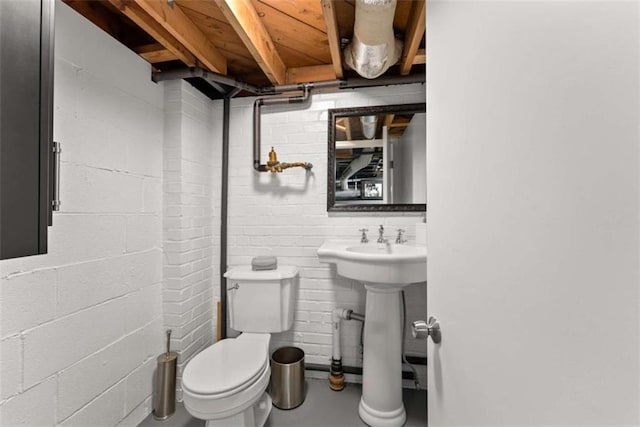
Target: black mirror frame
{"x": 335, "y": 113}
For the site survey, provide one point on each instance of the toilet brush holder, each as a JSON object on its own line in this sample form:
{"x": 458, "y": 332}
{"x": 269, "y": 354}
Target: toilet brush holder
{"x": 165, "y": 390}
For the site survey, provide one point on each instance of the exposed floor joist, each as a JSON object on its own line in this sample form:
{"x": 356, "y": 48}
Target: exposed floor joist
{"x": 155, "y": 53}
{"x": 247, "y": 24}
{"x": 413, "y": 36}
{"x": 333, "y": 35}
{"x": 155, "y": 30}
{"x": 173, "y": 19}
{"x": 388, "y": 120}
{"x": 314, "y": 73}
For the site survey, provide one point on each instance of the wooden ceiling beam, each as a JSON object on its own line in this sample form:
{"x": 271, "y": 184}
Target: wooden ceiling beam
{"x": 247, "y": 24}
{"x": 155, "y": 53}
{"x": 312, "y": 73}
{"x": 173, "y": 19}
{"x": 333, "y": 35}
{"x": 388, "y": 120}
{"x": 413, "y": 35}
{"x": 347, "y": 127}
{"x": 421, "y": 57}
{"x": 155, "y": 30}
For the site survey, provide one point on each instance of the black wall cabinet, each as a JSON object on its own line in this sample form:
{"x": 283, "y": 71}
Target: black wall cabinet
{"x": 26, "y": 125}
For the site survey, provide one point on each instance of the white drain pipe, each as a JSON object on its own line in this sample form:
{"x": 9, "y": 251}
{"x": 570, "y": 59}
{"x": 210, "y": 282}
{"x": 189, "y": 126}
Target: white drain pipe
{"x": 336, "y": 374}
{"x": 374, "y": 47}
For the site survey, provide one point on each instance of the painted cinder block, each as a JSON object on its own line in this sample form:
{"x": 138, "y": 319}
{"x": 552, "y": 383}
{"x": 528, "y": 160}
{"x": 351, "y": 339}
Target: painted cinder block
{"x": 58, "y": 344}
{"x": 139, "y": 385}
{"x": 27, "y": 300}
{"x": 81, "y": 237}
{"x": 105, "y": 368}
{"x": 10, "y": 366}
{"x": 35, "y": 407}
{"x": 143, "y": 232}
{"x": 88, "y": 189}
{"x": 149, "y": 298}
{"x": 107, "y": 409}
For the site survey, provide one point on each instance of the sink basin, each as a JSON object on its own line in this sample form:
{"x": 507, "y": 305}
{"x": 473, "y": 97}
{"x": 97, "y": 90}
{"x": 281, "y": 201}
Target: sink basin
{"x": 387, "y": 265}
{"x": 387, "y": 251}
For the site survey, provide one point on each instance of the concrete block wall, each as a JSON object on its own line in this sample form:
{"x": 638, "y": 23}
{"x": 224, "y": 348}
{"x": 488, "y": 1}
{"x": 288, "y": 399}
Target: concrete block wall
{"x": 191, "y": 225}
{"x": 81, "y": 326}
{"x": 285, "y": 215}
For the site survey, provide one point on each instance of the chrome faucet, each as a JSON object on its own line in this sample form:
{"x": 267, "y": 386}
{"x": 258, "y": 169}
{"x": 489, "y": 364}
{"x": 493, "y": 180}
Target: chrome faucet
{"x": 364, "y": 239}
{"x": 400, "y": 239}
{"x": 381, "y": 238}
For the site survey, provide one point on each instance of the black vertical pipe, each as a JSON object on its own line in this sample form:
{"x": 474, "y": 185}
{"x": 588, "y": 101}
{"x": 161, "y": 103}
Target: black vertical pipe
{"x": 223, "y": 214}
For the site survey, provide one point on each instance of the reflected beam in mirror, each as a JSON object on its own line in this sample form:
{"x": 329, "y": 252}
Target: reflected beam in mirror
{"x": 366, "y": 143}
{"x": 347, "y": 126}
{"x": 388, "y": 120}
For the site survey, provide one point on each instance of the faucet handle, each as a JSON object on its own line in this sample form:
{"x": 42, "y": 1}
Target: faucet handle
{"x": 400, "y": 239}
{"x": 364, "y": 239}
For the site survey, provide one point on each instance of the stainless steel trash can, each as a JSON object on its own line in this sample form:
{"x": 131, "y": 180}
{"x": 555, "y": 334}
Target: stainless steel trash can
{"x": 287, "y": 377}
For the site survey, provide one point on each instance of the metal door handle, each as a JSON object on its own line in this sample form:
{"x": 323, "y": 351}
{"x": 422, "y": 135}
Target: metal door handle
{"x": 421, "y": 329}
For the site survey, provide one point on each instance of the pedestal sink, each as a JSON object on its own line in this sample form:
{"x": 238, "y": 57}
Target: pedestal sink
{"x": 384, "y": 269}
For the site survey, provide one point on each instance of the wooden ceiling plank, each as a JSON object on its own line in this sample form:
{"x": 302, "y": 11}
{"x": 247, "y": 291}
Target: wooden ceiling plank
{"x": 293, "y": 33}
{"x": 314, "y": 73}
{"x": 413, "y": 36}
{"x": 247, "y": 24}
{"x": 307, "y": 11}
{"x": 207, "y": 8}
{"x": 333, "y": 35}
{"x": 155, "y": 30}
{"x": 173, "y": 19}
{"x": 154, "y": 53}
{"x": 402, "y": 15}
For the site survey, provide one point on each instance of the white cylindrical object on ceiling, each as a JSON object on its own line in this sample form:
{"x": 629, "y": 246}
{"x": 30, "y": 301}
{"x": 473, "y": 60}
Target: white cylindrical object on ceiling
{"x": 373, "y": 48}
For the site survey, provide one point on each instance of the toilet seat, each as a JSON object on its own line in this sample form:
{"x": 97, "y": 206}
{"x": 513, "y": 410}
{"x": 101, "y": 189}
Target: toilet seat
{"x": 225, "y": 368}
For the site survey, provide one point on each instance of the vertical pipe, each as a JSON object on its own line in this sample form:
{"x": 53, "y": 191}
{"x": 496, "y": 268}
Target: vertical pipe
{"x": 256, "y": 136}
{"x": 336, "y": 351}
{"x": 223, "y": 215}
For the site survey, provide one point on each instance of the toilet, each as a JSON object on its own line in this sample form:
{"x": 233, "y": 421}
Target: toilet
{"x": 225, "y": 384}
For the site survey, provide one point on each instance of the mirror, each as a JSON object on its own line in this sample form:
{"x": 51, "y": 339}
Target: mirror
{"x": 377, "y": 158}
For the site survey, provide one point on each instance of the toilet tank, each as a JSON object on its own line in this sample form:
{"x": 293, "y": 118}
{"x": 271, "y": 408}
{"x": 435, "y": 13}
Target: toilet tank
{"x": 261, "y": 301}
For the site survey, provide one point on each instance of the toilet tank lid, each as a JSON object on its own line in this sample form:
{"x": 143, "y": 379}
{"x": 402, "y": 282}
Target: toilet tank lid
{"x": 245, "y": 272}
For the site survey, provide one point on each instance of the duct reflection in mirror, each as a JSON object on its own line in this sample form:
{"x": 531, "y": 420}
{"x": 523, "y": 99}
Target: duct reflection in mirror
{"x": 377, "y": 158}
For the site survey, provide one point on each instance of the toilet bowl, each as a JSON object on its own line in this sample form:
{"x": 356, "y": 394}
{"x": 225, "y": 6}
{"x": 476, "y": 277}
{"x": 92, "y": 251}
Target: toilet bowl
{"x": 226, "y": 383}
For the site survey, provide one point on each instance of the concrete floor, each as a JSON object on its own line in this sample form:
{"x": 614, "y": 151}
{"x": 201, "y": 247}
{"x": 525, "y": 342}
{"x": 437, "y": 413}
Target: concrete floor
{"x": 322, "y": 408}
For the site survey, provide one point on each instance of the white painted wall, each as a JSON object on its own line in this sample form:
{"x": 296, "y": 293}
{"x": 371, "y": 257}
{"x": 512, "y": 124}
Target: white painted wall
{"x": 533, "y": 222}
{"x": 191, "y": 219}
{"x": 80, "y": 327}
{"x": 286, "y": 215}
